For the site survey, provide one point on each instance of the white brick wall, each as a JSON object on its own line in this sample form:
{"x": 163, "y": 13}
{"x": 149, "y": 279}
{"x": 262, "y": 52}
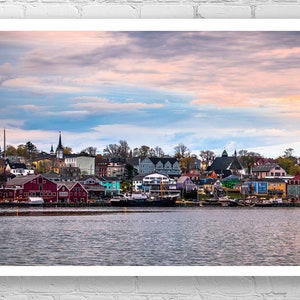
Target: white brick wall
{"x": 149, "y": 288}
{"x": 145, "y": 9}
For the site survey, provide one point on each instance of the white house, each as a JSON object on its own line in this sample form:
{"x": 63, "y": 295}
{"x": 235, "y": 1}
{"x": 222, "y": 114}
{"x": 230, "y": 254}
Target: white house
{"x": 162, "y": 165}
{"x": 270, "y": 170}
{"x": 86, "y": 164}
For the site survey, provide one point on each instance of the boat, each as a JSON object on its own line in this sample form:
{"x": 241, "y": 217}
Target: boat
{"x": 35, "y": 201}
{"x": 142, "y": 200}
{"x": 155, "y": 198}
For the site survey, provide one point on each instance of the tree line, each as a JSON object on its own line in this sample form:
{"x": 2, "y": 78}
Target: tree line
{"x": 182, "y": 153}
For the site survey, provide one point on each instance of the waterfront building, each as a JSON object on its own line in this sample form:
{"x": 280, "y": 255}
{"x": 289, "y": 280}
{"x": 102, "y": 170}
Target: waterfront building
{"x": 71, "y": 192}
{"x": 185, "y": 183}
{"x": 157, "y": 178}
{"x": 163, "y": 165}
{"x": 227, "y": 165}
{"x": 24, "y": 187}
{"x": 92, "y": 184}
{"x": 268, "y": 170}
{"x": 112, "y": 185}
{"x": 277, "y": 187}
{"x": 255, "y": 187}
{"x": 137, "y": 183}
{"x": 156, "y": 182}
{"x": 231, "y": 181}
{"x": 293, "y": 188}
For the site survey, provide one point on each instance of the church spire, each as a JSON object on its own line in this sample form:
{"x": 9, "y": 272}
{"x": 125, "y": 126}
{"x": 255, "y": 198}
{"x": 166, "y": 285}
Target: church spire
{"x": 51, "y": 150}
{"x": 59, "y": 149}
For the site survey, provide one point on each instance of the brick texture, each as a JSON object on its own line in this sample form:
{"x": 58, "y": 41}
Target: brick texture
{"x": 149, "y": 288}
{"x": 150, "y": 9}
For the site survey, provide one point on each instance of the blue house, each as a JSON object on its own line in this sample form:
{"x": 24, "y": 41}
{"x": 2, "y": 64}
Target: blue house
{"x": 112, "y": 185}
{"x": 259, "y": 186}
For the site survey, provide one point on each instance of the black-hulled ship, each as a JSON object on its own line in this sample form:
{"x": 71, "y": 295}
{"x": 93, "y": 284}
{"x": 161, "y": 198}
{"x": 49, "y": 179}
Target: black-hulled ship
{"x": 155, "y": 198}
{"x": 137, "y": 200}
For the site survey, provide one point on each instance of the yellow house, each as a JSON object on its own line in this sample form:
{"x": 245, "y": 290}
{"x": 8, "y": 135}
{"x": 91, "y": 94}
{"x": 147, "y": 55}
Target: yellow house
{"x": 277, "y": 187}
{"x": 43, "y": 165}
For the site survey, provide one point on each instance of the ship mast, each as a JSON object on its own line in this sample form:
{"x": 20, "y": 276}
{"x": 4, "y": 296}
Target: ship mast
{"x": 4, "y": 144}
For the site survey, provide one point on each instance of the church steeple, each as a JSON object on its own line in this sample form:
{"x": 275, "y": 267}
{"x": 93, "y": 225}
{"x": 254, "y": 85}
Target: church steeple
{"x": 224, "y": 154}
{"x": 59, "y": 149}
{"x": 51, "y": 150}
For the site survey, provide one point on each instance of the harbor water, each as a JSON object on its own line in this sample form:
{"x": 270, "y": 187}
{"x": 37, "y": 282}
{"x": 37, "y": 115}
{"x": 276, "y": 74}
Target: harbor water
{"x": 194, "y": 236}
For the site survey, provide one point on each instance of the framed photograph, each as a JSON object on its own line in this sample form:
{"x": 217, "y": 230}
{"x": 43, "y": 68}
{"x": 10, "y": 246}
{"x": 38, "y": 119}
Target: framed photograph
{"x": 149, "y": 147}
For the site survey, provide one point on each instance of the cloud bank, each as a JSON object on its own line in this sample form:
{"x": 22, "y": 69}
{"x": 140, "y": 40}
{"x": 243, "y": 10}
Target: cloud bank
{"x": 208, "y": 90}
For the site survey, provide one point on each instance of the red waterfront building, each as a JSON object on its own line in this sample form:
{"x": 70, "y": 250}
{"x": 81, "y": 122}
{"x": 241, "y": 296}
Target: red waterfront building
{"x": 23, "y": 187}
{"x": 72, "y": 192}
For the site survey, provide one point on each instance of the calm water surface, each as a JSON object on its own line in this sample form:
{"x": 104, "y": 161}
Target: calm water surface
{"x": 160, "y": 237}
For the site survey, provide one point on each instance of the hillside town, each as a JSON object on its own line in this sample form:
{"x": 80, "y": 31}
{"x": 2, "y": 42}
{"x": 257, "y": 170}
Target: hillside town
{"x": 86, "y": 178}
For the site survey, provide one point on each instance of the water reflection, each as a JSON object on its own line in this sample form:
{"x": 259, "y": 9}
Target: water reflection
{"x": 176, "y": 236}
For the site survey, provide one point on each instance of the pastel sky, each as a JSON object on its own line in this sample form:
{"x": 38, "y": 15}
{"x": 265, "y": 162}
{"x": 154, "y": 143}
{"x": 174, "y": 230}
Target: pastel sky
{"x": 208, "y": 90}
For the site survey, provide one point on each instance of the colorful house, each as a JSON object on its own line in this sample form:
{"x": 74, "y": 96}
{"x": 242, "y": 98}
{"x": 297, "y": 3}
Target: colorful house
{"x": 112, "y": 185}
{"x": 268, "y": 186}
{"x": 25, "y": 187}
{"x": 71, "y": 192}
{"x": 277, "y": 187}
{"x": 257, "y": 187}
{"x": 93, "y": 187}
{"x": 185, "y": 183}
{"x": 63, "y": 193}
{"x": 293, "y": 188}
{"x": 231, "y": 181}
{"x": 268, "y": 170}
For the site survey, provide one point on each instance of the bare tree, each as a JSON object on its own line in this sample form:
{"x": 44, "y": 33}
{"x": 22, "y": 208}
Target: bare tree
{"x": 114, "y": 150}
{"x": 124, "y": 149}
{"x": 144, "y": 150}
{"x": 181, "y": 151}
{"x": 288, "y": 153}
{"x": 111, "y": 150}
{"x": 158, "y": 152}
{"x": 207, "y": 157}
{"x": 90, "y": 151}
